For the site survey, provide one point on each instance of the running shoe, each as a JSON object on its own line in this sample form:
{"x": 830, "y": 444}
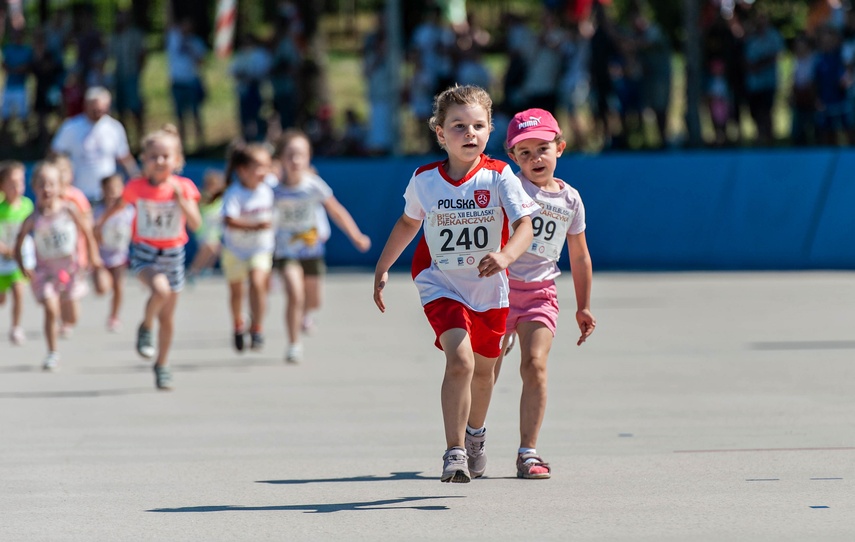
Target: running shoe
{"x": 114, "y": 325}
{"x": 308, "y": 324}
{"x": 162, "y": 377}
{"x": 454, "y": 468}
{"x": 476, "y": 454}
{"x": 145, "y": 342}
{"x": 294, "y": 353}
{"x": 17, "y": 336}
{"x": 66, "y": 331}
{"x": 256, "y": 341}
{"x": 51, "y": 362}
{"x": 238, "y": 340}
{"x": 532, "y": 467}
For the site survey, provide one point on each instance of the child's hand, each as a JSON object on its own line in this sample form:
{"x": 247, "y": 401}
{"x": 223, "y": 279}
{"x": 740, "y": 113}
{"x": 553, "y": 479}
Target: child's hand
{"x": 97, "y": 262}
{"x": 264, "y": 225}
{"x": 380, "y": 283}
{"x": 492, "y": 263}
{"x": 176, "y": 190}
{"x": 362, "y": 243}
{"x": 31, "y": 276}
{"x": 587, "y": 323}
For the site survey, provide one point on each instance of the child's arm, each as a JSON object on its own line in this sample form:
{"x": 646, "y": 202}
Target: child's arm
{"x": 496, "y": 262}
{"x": 246, "y": 224}
{"x": 345, "y": 222}
{"x": 25, "y": 230}
{"x": 85, "y": 226}
{"x": 188, "y": 206}
{"x": 580, "y": 268}
{"x": 402, "y": 234}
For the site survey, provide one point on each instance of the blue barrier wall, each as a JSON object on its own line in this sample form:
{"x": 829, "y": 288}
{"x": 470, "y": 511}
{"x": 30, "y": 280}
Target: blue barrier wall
{"x": 722, "y": 210}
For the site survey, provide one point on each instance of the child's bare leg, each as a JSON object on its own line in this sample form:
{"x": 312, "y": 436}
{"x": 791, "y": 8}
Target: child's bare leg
{"x": 456, "y": 394}
{"x": 103, "y": 281}
{"x": 535, "y": 343}
{"x": 17, "y": 303}
{"x": 483, "y": 379}
{"x": 164, "y": 333}
{"x": 498, "y": 367}
{"x": 205, "y": 257}
{"x": 68, "y": 309}
{"x": 117, "y": 275}
{"x": 292, "y": 275}
{"x": 257, "y": 297}
{"x": 2, "y": 298}
{"x": 160, "y": 294}
{"x": 313, "y": 292}
{"x": 236, "y": 304}
{"x": 52, "y": 312}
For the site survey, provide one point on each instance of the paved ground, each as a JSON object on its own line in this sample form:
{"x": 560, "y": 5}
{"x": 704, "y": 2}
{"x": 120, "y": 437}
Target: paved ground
{"x": 705, "y": 407}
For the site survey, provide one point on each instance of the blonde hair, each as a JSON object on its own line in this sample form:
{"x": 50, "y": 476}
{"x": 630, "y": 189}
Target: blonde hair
{"x": 7, "y": 167}
{"x": 39, "y": 170}
{"x": 167, "y": 131}
{"x": 460, "y": 95}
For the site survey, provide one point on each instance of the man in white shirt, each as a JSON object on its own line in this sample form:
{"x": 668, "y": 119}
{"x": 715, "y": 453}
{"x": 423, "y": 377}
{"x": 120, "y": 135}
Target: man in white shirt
{"x": 95, "y": 142}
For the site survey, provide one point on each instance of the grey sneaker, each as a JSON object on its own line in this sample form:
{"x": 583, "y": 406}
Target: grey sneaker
{"x": 476, "y": 454}
{"x": 454, "y": 467}
{"x": 162, "y": 377}
{"x": 145, "y": 342}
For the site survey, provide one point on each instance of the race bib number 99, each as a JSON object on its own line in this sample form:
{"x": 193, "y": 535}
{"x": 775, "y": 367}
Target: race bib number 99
{"x": 158, "y": 219}
{"x": 550, "y": 229}
{"x": 458, "y": 239}
{"x": 59, "y": 240}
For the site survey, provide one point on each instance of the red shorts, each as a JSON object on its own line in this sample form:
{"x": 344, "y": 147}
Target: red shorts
{"x": 486, "y": 329}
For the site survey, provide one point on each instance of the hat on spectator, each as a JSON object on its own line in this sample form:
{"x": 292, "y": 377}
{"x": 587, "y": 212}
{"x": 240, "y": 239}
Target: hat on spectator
{"x": 532, "y": 124}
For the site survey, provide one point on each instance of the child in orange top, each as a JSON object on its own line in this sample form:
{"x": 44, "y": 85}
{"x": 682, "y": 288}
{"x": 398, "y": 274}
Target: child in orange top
{"x": 54, "y": 226}
{"x": 165, "y": 205}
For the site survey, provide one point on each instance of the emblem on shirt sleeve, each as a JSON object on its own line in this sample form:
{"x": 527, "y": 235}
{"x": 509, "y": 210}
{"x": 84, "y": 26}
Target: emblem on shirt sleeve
{"x": 482, "y": 198}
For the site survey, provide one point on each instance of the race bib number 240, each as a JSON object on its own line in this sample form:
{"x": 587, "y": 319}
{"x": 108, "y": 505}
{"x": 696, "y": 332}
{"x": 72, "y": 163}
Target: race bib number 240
{"x": 458, "y": 239}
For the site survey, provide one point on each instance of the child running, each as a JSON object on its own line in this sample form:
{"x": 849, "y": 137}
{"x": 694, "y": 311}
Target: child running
{"x": 165, "y": 203}
{"x": 54, "y": 226}
{"x": 535, "y": 143}
{"x": 248, "y": 238}
{"x": 209, "y": 234}
{"x": 303, "y": 201}
{"x": 70, "y": 307}
{"x": 15, "y": 207}
{"x": 114, "y": 241}
{"x": 465, "y": 204}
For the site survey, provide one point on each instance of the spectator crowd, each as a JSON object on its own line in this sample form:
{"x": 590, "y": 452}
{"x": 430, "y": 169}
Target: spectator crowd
{"x": 610, "y": 80}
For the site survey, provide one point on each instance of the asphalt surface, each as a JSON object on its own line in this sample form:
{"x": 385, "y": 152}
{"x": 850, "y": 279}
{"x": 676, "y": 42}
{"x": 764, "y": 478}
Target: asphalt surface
{"x": 704, "y": 407}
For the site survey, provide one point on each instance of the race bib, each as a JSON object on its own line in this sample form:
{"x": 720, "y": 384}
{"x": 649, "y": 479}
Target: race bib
{"x": 57, "y": 240}
{"x": 550, "y": 230}
{"x": 116, "y": 235}
{"x": 158, "y": 219}
{"x": 247, "y": 240}
{"x": 295, "y": 214}
{"x": 458, "y": 239}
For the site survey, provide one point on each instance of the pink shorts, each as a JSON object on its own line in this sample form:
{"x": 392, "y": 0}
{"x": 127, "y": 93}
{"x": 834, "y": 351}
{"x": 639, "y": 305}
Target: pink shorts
{"x": 47, "y": 286}
{"x": 533, "y": 302}
{"x": 486, "y": 329}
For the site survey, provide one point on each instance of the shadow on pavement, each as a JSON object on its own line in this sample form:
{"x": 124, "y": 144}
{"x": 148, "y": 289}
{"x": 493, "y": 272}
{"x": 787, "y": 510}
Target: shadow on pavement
{"x": 385, "y": 504}
{"x": 145, "y": 367}
{"x": 74, "y": 394}
{"x": 370, "y": 478}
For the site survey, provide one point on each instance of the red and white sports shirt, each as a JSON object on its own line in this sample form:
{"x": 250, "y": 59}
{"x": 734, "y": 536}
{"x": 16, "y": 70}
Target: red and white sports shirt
{"x": 463, "y": 221}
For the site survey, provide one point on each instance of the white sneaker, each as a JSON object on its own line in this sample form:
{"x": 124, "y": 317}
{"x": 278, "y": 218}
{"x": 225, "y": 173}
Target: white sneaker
{"x": 66, "y": 331}
{"x": 294, "y": 353}
{"x": 17, "y": 336}
{"x": 51, "y": 362}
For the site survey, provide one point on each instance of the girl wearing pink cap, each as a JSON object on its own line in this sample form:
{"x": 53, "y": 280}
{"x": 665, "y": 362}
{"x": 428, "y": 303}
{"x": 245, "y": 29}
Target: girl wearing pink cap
{"x": 534, "y": 143}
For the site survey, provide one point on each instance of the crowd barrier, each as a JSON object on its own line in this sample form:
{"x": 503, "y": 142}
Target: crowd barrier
{"x": 774, "y": 209}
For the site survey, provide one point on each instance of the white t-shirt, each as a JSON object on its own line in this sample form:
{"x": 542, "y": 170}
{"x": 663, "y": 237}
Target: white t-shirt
{"x": 302, "y": 225}
{"x": 459, "y": 220}
{"x": 93, "y": 149}
{"x": 562, "y": 214}
{"x": 253, "y": 205}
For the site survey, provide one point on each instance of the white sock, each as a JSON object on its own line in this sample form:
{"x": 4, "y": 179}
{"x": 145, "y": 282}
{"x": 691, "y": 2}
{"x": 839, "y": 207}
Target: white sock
{"x": 475, "y": 432}
{"x": 527, "y": 451}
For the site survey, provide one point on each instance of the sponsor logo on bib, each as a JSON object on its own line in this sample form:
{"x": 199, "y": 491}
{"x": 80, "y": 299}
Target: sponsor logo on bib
{"x": 482, "y": 198}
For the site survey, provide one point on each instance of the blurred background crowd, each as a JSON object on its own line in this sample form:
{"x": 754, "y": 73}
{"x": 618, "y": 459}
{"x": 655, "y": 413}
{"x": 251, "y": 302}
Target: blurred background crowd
{"x": 770, "y": 72}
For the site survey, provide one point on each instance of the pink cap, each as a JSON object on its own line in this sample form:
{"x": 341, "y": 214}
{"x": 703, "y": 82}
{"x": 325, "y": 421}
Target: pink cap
{"x": 532, "y": 124}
